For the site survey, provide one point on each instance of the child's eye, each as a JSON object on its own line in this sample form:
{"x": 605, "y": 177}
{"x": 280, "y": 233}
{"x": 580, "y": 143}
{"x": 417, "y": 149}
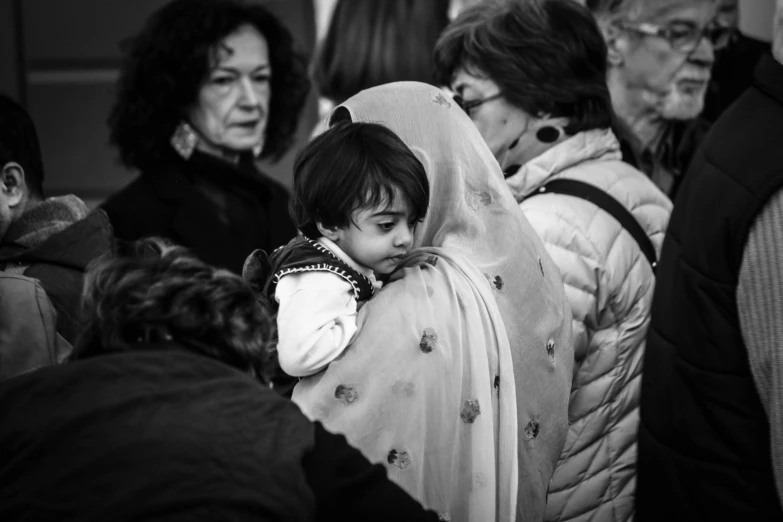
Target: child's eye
{"x": 386, "y": 226}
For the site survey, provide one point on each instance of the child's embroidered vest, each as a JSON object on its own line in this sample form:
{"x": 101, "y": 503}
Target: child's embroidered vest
{"x": 301, "y": 254}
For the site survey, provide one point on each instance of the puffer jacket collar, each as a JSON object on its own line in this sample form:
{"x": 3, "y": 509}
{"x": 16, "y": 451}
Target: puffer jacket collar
{"x": 596, "y": 144}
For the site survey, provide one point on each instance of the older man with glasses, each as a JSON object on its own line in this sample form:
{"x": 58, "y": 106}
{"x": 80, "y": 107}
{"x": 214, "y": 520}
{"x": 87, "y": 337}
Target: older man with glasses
{"x": 660, "y": 55}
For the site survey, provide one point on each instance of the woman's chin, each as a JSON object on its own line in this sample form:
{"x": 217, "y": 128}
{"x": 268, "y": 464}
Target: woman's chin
{"x": 243, "y": 143}
{"x": 240, "y": 147}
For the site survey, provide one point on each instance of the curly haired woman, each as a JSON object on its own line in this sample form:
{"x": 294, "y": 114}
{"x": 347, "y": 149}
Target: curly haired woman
{"x": 207, "y": 87}
{"x": 159, "y": 416}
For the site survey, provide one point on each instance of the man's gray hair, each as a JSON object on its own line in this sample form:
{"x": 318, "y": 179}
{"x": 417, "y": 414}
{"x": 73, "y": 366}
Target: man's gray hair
{"x": 635, "y": 9}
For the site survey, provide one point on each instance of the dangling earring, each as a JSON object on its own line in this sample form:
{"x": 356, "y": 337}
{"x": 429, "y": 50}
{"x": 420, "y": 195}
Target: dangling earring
{"x": 184, "y": 140}
{"x": 548, "y": 134}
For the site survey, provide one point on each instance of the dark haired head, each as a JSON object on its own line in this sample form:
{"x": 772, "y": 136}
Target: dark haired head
{"x": 151, "y": 291}
{"x": 19, "y": 143}
{"x": 548, "y": 57}
{"x": 375, "y": 42}
{"x": 353, "y": 166}
{"x": 166, "y": 64}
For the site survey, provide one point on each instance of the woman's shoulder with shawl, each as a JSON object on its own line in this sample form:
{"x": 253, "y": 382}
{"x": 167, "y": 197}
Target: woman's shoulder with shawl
{"x": 423, "y": 279}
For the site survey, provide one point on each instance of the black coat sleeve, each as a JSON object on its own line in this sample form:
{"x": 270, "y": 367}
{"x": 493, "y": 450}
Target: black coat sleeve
{"x": 129, "y": 208}
{"x": 137, "y": 211}
{"x": 281, "y": 226}
{"x": 348, "y": 487}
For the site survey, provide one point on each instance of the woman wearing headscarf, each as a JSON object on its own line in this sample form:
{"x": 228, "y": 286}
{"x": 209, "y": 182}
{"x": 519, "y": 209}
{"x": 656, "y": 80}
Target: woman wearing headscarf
{"x": 532, "y": 76}
{"x": 458, "y": 378}
{"x": 162, "y": 415}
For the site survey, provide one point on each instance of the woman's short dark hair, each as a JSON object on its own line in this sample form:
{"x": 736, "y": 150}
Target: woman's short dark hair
{"x": 353, "y": 166}
{"x": 166, "y": 64}
{"x": 151, "y": 290}
{"x": 373, "y": 42}
{"x": 547, "y": 57}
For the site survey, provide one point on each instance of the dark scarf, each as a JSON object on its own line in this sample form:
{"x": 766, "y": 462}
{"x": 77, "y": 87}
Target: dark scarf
{"x": 43, "y": 220}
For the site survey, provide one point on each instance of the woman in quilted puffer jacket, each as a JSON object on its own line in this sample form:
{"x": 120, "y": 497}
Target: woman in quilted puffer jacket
{"x": 532, "y": 76}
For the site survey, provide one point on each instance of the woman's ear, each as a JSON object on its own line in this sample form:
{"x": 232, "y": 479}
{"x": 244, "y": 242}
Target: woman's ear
{"x": 12, "y": 184}
{"x": 331, "y": 233}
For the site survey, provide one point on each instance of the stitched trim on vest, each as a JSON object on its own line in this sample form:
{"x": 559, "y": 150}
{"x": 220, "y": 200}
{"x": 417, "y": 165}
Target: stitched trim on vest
{"x": 321, "y": 268}
{"x": 318, "y": 246}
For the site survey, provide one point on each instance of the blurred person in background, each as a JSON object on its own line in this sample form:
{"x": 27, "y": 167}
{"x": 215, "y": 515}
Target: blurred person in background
{"x": 660, "y": 56}
{"x": 532, "y": 77}
{"x": 45, "y": 247}
{"x": 711, "y": 432}
{"x": 161, "y": 416}
{"x": 207, "y": 88}
{"x": 734, "y": 64}
{"x": 377, "y": 42}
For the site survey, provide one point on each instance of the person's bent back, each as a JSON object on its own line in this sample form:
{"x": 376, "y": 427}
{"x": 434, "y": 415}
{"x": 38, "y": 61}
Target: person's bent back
{"x": 161, "y": 418}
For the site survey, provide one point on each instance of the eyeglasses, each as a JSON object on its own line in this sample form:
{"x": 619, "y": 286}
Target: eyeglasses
{"x": 469, "y": 105}
{"x": 684, "y": 37}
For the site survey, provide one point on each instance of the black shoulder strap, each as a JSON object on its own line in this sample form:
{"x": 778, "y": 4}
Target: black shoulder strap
{"x": 599, "y": 198}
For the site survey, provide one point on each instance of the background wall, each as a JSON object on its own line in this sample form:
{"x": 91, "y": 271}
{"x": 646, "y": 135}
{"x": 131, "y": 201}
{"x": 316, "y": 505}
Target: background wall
{"x": 9, "y": 65}
{"x": 60, "y": 58}
{"x": 756, "y": 18}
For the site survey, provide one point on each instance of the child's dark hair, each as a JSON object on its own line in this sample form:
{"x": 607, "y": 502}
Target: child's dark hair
{"x": 353, "y": 166}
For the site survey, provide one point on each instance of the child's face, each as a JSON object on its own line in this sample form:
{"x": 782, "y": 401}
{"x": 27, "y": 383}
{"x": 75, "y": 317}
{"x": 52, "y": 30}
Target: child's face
{"x": 379, "y": 237}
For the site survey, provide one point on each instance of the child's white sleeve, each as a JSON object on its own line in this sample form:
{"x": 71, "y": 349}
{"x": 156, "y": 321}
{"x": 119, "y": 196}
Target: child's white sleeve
{"x": 315, "y": 321}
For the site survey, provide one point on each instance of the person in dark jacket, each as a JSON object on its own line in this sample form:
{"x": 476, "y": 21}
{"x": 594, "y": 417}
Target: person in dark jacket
{"x": 712, "y": 399}
{"x": 45, "y": 247}
{"x": 207, "y": 88}
{"x": 163, "y": 414}
{"x": 732, "y": 73}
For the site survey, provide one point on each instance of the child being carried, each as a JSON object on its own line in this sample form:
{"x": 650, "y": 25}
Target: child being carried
{"x": 359, "y": 192}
